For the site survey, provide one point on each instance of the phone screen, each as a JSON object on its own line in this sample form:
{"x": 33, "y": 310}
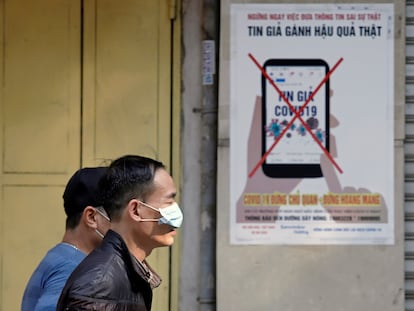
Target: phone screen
{"x": 297, "y": 153}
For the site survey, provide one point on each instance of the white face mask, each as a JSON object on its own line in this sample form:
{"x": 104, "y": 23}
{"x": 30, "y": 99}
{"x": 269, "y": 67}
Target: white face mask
{"x": 171, "y": 215}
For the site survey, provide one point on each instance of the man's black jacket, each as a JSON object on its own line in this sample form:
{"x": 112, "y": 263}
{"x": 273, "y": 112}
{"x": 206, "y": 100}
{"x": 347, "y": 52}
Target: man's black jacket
{"x": 109, "y": 278}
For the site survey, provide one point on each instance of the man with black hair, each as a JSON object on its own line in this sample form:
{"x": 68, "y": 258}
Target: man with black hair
{"x": 139, "y": 197}
{"x": 86, "y": 225}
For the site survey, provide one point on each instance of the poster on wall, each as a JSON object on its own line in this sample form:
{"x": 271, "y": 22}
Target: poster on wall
{"x": 312, "y": 124}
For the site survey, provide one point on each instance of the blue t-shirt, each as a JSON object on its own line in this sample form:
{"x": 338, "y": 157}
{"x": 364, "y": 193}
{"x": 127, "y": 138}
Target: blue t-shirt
{"x": 46, "y": 283}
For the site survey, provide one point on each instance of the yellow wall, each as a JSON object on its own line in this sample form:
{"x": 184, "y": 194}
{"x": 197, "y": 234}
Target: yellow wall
{"x": 79, "y": 87}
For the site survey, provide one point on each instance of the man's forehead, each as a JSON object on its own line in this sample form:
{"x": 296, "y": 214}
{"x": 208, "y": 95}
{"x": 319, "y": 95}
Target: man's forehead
{"x": 164, "y": 182}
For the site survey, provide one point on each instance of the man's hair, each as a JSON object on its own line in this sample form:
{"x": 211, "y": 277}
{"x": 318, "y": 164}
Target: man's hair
{"x": 126, "y": 178}
{"x": 73, "y": 221}
{"x": 82, "y": 190}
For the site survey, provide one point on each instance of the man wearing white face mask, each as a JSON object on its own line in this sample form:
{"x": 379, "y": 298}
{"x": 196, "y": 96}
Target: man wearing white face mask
{"x": 86, "y": 224}
{"x": 171, "y": 215}
{"x": 139, "y": 197}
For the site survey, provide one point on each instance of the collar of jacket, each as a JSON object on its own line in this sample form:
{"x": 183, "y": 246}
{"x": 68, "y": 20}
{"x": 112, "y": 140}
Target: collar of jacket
{"x": 136, "y": 270}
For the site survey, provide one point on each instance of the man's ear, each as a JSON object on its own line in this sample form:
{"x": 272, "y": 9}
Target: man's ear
{"x": 89, "y": 217}
{"x": 133, "y": 209}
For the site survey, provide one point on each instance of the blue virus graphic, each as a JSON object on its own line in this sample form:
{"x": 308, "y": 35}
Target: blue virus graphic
{"x": 274, "y": 128}
{"x": 320, "y": 135}
{"x": 301, "y": 130}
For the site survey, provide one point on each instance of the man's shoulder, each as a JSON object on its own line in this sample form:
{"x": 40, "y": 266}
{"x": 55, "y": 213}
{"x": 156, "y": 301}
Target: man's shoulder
{"x": 50, "y": 276}
{"x": 57, "y": 258}
{"x": 62, "y": 256}
{"x": 95, "y": 275}
{"x": 97, "y": 262}
{"x": 103, "y": 265}
{"x": 64, "y": 249}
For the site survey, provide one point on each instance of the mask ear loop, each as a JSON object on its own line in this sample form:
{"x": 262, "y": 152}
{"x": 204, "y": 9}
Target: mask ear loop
{"x": 102, "y": 213}
{"x": 99, "y": 233}
{"x": 149, "y": 219}
{"x": 97, "y": 209}
{"x": 149, "y": 206}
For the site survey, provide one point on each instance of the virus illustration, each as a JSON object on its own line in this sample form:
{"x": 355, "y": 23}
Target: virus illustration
{"x": 320, "y": 135}
{"x": 301, "y": 130}
{"x": 313, "y": 123}
{"x": 274, "y": 128}
{"x": 292, "y": 127}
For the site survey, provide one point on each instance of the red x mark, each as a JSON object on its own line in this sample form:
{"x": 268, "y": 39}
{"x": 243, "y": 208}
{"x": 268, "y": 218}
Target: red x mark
{"x": 297, "y": 115}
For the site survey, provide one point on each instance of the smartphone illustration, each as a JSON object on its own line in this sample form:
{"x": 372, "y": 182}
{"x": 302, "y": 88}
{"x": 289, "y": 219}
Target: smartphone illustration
{"x": 297, "y": 153}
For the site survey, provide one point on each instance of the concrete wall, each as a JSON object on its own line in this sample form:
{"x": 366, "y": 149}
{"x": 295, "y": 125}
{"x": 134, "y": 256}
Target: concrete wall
{"x": 312, "y": 278}
{"x": 191, "y": 133}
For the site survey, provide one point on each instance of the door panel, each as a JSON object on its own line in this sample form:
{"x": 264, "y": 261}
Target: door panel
{"x": 126, "y": 92}
{"x": 40, "y": 86}
{"x": 33, "y": 222}
{"x": 39, "y": 130}
{"x": 82, "y": 82}
{"x": 126, "y": 79}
